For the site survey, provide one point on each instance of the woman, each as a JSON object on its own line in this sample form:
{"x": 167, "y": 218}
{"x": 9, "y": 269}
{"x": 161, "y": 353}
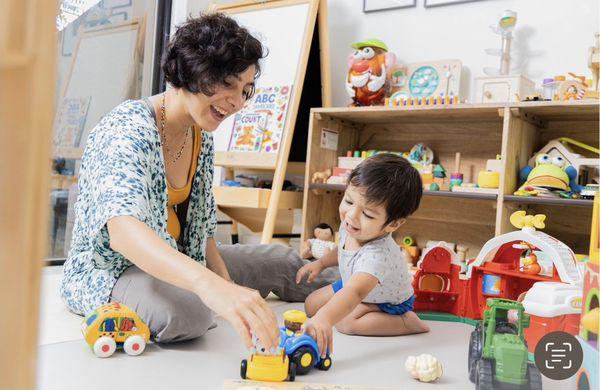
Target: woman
{"x": 145, "y": 215}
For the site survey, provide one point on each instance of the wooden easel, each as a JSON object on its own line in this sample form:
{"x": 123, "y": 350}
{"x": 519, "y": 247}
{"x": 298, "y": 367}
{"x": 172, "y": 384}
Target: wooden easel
{"x": 248, "y": 205}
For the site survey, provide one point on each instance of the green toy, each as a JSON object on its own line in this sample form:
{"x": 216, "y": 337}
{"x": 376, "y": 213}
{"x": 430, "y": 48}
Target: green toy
{"x": 549, "y": 172}
{"x": 498, "y": 351}
{"x": 439, "y": 171}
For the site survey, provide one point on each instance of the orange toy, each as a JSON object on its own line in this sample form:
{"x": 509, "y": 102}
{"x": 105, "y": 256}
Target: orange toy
{"x": 529, "y": 259}
{"x": 367, "y": 72}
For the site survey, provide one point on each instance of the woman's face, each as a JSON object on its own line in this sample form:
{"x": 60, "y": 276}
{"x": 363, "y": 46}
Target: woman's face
{"x": 208, "y": 112}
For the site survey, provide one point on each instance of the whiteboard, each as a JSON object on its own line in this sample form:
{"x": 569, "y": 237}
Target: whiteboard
{"x": 105, "y": 67}
{"x": 282, "y": 31}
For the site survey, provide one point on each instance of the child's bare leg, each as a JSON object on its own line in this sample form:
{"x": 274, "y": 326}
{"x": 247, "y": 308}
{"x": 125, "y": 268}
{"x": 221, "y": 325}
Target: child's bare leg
{"x": 368, "y": 320}
{"x": 317, "y": 299}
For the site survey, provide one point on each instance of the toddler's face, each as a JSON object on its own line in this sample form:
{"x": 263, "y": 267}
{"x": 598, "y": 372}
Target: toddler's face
{"x": 362, "y": 220}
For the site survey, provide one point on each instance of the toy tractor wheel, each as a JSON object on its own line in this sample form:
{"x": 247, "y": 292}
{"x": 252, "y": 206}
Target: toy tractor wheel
{"x": 535, "y": 378}
{"x": 292, "y": 372}
{"x": 506, "y": 327}
{"x": 134, "y": 345}
{"x": 243, "y": 368}
{"x": 475, "y": 350}
{"x": 485, "y": 375}
{"x": 324, "y": 364}
{"x": 304, "y": 359}
{"x": 105, "y": 346}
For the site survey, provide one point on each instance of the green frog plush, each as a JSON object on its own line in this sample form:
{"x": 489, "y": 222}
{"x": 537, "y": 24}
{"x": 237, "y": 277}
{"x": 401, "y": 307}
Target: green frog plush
{"x": 550, "y": 173}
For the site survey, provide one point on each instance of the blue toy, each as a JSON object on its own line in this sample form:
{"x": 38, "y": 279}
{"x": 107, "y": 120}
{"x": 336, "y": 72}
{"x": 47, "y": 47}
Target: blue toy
{"x": 300, "y": 347}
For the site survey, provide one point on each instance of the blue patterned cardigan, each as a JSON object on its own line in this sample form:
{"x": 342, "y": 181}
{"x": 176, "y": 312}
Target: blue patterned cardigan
{"x": 123, "y": 173}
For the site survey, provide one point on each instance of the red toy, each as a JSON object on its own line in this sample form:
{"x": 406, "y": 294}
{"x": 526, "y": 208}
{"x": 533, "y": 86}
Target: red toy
{"x": 505, "y": 269}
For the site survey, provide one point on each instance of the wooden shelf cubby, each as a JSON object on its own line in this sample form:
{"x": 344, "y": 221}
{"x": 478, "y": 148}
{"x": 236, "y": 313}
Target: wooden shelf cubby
{"x": 479, "y": 132}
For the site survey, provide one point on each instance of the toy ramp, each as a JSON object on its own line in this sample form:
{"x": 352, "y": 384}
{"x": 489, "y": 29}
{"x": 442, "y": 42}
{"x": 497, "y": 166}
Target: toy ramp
{"x": 562, "y": 256}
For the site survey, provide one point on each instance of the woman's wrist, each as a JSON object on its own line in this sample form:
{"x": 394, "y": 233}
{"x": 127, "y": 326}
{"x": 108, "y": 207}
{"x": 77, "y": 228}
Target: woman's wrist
{"x": 204, "y": 282}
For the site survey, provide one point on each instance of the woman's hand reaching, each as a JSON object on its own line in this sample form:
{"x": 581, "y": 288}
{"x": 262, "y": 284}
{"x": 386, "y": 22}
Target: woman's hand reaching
{"x": 244, "y": 309}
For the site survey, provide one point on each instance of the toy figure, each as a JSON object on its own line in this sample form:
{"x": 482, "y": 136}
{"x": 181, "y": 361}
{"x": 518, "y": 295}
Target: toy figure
{"x": 549, "y": 173}
{"x": 367, "y": 72}
{"x": 321, "y": 177}
{"x": 529, "y": 260}
{"x": 301, "y": 349}
{"x": 320, "y": 245}
{"x": 293, "y": 321}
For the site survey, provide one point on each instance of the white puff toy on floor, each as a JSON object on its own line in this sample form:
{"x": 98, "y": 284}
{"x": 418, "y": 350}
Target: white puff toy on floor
{"x": 424, "y": 367}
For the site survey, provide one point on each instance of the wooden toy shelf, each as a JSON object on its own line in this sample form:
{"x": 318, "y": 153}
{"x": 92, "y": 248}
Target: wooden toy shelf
{"x": 255, "y": 198}
{"x": 479, "y": 132}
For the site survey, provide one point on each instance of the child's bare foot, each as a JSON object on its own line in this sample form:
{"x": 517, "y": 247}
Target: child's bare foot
{"x": 414, "y": 324}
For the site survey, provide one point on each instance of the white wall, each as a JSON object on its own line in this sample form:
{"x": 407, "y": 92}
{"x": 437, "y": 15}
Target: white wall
{"x": 555, "y": 33}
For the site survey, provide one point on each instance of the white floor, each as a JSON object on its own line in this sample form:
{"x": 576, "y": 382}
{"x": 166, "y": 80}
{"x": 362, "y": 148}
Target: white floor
{"x": 66, "y": 362}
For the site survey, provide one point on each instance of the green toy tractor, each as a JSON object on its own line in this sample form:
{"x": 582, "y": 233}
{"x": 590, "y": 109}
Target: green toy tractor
{"x": 498, "y": 350}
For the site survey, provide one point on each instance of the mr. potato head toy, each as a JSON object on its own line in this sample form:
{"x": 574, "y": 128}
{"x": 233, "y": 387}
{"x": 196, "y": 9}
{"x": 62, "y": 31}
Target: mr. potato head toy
{"x": 367, "y": 72}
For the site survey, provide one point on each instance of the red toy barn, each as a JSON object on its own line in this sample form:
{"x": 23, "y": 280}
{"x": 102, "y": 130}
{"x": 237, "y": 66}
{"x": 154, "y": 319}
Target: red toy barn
{"x": 497, "y": 271}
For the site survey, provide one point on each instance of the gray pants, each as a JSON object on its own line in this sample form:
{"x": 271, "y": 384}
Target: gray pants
{"x": 174, "y": 314}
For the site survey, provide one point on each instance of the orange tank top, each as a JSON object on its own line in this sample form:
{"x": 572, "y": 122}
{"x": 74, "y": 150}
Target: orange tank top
{"x": 179, "y": 195}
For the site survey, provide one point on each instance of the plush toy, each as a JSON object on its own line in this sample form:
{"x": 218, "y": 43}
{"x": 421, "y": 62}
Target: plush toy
{"x": 424, "y": 367}
{"x": 550, "y": 173}
{"x": 367, "y": 72}
{"x": 320, "y": 245}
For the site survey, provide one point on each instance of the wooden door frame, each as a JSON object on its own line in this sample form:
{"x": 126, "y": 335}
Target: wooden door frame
{"x": 27, "y": 76}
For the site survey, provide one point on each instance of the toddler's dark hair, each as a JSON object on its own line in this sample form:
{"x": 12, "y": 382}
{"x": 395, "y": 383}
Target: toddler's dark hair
{"x": 389, "y": 180}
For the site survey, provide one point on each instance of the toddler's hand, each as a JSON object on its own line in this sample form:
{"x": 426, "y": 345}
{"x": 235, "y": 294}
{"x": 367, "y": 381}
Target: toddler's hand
{"x": 311, "y": 269}
{"x": 306, "y": 252}
{"x": 321, "y": 331}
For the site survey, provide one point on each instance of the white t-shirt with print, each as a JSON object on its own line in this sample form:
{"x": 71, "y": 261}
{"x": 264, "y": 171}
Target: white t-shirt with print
{"x": 383, "y": 259}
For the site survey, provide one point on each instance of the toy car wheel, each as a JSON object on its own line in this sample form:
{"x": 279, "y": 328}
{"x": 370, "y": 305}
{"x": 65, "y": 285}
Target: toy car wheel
{"x": 243, "y": 368}
{"x": 134, "y": 345}
{"x": 485, "y": 375}
{"x": 104, "y": 347}
{"x": 304, "y": 359}
{"x": 324, "y": 364}
{"x": 535, "y": 378}
{"x": 292, "y": 372}
{"x": 475, "y": 350}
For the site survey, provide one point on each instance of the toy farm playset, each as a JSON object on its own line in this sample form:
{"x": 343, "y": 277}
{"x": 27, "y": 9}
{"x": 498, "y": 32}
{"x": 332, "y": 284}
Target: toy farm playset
{"x": 525, "y": 265}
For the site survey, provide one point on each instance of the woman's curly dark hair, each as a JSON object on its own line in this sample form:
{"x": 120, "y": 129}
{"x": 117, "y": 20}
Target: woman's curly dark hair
{"x": 208, "y": 49}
